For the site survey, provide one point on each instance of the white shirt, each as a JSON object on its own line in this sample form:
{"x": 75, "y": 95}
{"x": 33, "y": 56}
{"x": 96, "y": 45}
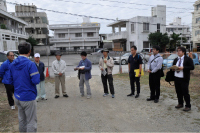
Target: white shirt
{"x": 180, "y": 74}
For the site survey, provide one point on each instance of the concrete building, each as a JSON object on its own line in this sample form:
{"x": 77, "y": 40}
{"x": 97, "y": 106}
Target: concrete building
{"x": 178, "y": 28}
{"x": 75, "y": 36}
{"x": 12, "y": 29}
{"x": 196, "y": 26}
{"x": 135, "y": 31}
{"x": 37, "y": 21}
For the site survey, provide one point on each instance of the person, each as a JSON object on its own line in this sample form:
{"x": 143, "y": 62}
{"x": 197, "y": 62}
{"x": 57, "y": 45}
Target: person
{"x": 41, "y": 86}
{"x": 182, "y": 77}
{"x": 106, "y": 65}
{"x": 134, "y": 62}
{"x": 155, "y": 66}
{"x": 84, "y": 67}
{"x": 25, "y": 76}
{"x": 4, "y": 73}
{"x": 59, "y": 67}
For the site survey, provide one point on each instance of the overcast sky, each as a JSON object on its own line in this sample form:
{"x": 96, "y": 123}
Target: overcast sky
{"x": 104, "y": 10}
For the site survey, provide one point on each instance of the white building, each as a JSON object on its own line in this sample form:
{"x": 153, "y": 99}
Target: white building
{"x": 75, "y": 36}
{"x": 137, "y": 30}
{"x": 37, "y": 21}
{"x": 12, "y": 29}
{"x": 178, "y": 28}
{"x": 196, "y": 25}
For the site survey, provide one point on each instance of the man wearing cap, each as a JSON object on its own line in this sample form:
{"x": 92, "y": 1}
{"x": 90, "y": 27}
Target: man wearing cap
{"x": 41, "y": 86}
{"x": 106, "y": 65}
{"x": 59, "y": 67}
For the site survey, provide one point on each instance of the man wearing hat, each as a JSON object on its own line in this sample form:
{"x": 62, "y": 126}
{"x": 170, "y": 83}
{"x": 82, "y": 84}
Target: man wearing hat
{"x": 106, "y": 65}
{"x": 41, "y": 86}
{"x": 59, "y": 67}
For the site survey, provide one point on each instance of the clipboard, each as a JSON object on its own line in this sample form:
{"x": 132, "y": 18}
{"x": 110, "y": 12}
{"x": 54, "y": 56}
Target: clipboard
{"x": 137, "y": 71}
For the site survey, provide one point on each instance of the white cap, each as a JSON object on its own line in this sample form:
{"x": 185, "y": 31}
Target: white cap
{"x": 37, "y": 55}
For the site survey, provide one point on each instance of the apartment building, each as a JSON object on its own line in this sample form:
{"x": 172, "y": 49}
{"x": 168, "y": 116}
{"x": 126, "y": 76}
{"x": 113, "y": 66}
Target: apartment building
{"x": 135, "y": 31}
{"x": 196, "y": 26}
{"x": 12, "y": 29}
{"x": 37, "y": 21}
{"x": 75, "y": 36}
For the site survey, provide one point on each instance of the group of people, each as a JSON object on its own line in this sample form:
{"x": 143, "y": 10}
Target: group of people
{"x": 26, "y": 80}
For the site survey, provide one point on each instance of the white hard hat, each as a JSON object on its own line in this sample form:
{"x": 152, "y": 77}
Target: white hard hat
{"x": 37, "y": 55}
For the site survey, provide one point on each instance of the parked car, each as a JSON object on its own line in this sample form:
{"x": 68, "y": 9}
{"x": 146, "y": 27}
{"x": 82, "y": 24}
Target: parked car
{"x": 3, "y": 57}
{"x": 124, "y": 59}
{"x": 96, "y": 53}
{"x": 146, "y": 50}
{"x": 195, "y": 58}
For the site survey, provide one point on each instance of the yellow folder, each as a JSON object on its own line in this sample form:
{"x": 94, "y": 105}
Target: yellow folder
{"x": 137, "y": 71}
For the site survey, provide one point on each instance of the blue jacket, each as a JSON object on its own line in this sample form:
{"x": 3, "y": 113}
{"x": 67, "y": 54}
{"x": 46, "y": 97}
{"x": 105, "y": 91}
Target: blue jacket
{"x": 41, "y": 69}
{"x": 24, "y": 76}
{"x": 88, "y": 68}
{"x": 5, "y": 71}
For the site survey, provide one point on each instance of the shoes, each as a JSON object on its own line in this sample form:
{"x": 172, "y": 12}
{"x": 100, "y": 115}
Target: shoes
{"x": 37, "y": 100}
{"x": 44, "y": 98}
{"x": 130, "y": 95}
{"x": 150, "y": 99}
{"x": 106, "y": 94}
{"x": 57, "y": 96}
{"x": 156, "y": 101}
{"x": 137, "y": 95}
{"x": 179, "y": 106}
{"x": 65, "y": 95}
{"x": 186, "y": 109}
{"x": 113, "y": 96}
{"x": 13, "y": 107}
{"x": 88, "y": 96}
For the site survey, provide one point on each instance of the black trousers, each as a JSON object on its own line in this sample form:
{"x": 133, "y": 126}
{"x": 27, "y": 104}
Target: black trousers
{"x": 182, "y": 91}
{"x": 108, "y": 78}
{"x": 10, "y": 92}
{"x": 134, "y": 79}
{"x": 154, "y": 84}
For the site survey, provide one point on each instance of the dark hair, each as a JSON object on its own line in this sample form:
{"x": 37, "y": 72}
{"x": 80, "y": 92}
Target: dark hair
{"x": 182, "y": 49}
{"x": 134, "y": 47}
{"x": 24, "y": 48}
{"x": 9, "y": 53}
{"x": 157, "y": 48}
{"x": 83, "y": 53}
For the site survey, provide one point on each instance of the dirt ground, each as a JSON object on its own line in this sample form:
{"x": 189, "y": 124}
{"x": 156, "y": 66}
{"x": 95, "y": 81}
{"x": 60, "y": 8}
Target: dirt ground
{"x": 104, "y": 114}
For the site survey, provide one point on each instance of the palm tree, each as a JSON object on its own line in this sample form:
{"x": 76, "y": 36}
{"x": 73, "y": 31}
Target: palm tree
{"x": 174, "y": 40}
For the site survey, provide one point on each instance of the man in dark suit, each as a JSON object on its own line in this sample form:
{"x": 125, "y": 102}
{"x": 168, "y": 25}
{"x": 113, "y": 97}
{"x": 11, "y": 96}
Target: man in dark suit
{"x": 182, "y": 77}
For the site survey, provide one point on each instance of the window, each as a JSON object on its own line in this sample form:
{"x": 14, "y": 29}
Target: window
{"x": 78, "y": 35}
{"x": 179, "y": 28}
{"x": 145, "y": 26}
{"x": 61, "y": 35}
{"x": 158, "y": 27}
{"x": 131, "y": 44}
{"x": 197, "y": 32}
{"x": 198, "y": 6}
{"x": 197, "y": 20}
{"x": 90, "y": 34}
{"x": 145, "y": 44}
{"x": 132, "y": 28}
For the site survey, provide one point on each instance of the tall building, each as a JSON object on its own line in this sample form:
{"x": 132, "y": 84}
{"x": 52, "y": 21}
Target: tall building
{"x": 37, "y": 21}
{"x": 196, "y": 26}
{"x": 12, "y": 29}
{"x": 178, "y": 28}
{"x": 75, "y": 36}
{"x": 135, "y": 31}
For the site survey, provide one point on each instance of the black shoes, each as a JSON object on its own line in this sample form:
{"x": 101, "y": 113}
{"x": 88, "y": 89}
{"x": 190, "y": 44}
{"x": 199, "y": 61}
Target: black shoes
{"x": 156, "y": 101}
{"x": 130, "y": 95}
{"x": 57, "y": 96}
{"x": 65, "y": 95}
{"x": 137, "y": 95}
{"x": 150, "y": 99}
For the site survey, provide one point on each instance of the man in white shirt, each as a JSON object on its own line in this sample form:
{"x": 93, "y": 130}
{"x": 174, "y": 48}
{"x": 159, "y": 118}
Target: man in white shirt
{"x": 59, "y": 67}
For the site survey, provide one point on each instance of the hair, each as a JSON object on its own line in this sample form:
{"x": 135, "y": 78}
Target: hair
{"x": 157, "y": 48}
{"x": 83, "y": 53}
{"x": 9, "y": 53}
{"x": 134, "y": 47}
{"x": 24, "y": 48}
{"x": 182, "y": 49}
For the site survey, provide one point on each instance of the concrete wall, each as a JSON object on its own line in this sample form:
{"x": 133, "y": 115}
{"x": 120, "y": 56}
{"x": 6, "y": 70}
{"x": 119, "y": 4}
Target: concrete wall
{"x": 42, "y": 50}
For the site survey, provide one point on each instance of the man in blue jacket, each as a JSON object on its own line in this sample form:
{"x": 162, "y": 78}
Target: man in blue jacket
{"x": 41, "y": 86}
{"x": 4, "y": 73}
{"x": 84, "y": 68}
{"x": 24, "y": 76}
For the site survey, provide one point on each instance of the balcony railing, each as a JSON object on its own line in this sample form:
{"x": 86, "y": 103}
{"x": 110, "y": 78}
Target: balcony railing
{"x": 74, "y": 39}
{"x": 60, "y": 26}
{"x": 37, "y": 25}
{"x": 118, "y": 35}
{"x": 17, "y": 33}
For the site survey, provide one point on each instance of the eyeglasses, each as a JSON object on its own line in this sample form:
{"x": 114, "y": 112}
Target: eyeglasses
{"x": 11, "y": 55}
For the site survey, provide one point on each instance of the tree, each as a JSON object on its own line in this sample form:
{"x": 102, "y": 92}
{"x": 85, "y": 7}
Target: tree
{"x": 174, "y": 40}
{"x": 159, "y": 39}
{"x": 3, "y": 26}
{"x": 32, "y": 41}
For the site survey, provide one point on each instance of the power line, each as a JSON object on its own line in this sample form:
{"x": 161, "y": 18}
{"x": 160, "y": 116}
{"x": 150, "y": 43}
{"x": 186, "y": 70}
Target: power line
{"x": 176, "y": 1}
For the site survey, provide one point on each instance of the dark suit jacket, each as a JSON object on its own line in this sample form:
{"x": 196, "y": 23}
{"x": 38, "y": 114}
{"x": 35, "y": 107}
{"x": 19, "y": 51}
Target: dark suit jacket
{"x": 187, "y": 66}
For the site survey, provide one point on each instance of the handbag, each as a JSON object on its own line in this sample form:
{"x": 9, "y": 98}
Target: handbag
{"x": 170, "y": 77}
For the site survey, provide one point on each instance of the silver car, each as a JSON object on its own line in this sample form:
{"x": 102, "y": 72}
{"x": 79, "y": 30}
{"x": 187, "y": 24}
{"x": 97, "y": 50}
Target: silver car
{"x": 124, "y": 59}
